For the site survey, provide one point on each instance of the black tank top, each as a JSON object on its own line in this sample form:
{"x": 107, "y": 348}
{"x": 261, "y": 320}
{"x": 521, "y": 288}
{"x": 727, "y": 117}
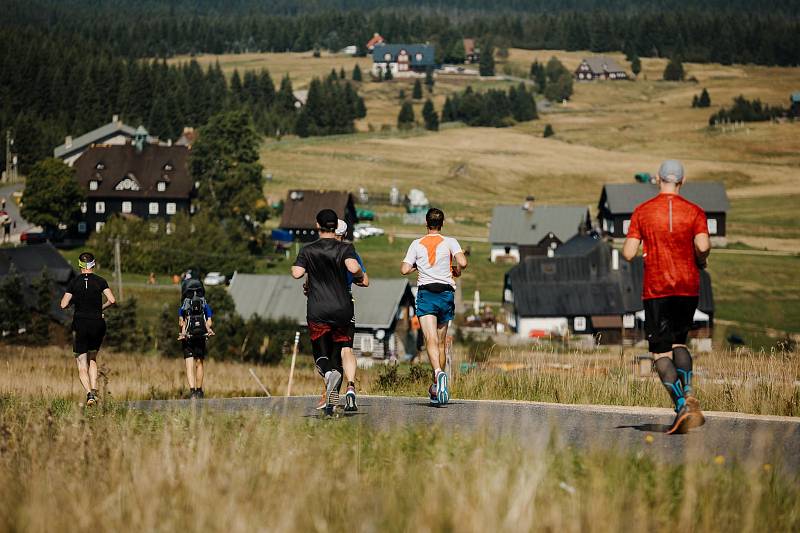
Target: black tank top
{"x": 87, "y": 295}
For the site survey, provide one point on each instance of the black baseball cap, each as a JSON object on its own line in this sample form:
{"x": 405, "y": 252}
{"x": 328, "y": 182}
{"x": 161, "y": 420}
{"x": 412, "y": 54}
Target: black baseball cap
{"x": 328, "y": 219}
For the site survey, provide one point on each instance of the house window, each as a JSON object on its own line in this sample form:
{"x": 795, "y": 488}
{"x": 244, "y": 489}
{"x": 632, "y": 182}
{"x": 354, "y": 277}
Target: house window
{"x": 127, "y": 207}
{"x": 98, "y": 226}
{"x": 100, "y": 165}
{"x": 153, "y": 208}
{"x": 170, "y": 227}
{"x": 100, "y": 207}
{"x": 162, "y": 186}
{"x": 81, "y": 227}
{"x": 625, "y": 225}
{"x": 387, "y": 56}
{"x": 93, "y": 185}
{"x": 83, "y": 207}
{"x": 171, "y": 208}
{"x": 418, "y": 56}
{"x": 168, "y": 167}
{"x": 579, "y": 324}
{"x": 712, "y": 226}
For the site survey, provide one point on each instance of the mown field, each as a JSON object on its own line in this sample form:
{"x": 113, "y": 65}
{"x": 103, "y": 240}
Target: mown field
{"x": 112, "y": 469}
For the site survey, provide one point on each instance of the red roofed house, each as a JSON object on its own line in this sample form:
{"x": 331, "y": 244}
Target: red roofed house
{"x": 375, "y": 41}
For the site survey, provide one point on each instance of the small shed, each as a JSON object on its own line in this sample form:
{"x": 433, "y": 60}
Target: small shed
{"x": 618, "y": 200}
{"x": 378, "y": 307}
{"x": 300, "y": 210}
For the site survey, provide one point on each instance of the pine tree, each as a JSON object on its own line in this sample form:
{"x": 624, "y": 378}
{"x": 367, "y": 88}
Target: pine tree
{"x": 539, "y": 75}
{"x": 303, "y": 125}
{"x": 416, "y": 94}
{"x": 333, "y": 76}
{"x": 40, "y": 324}
{"x": 705, "y": 99}
{"x": 405, "y": 119}
{"x": 674, "y": 70}
{"x": 429, "y": 81}
{"x": 636, "y": 65}
{"x": 388, "y": 76}
{"x": 548, "y": 131}
{"x": 361, "y": 108}
{"x": 237, "y": 91}
{"x": 14, "y": 313}
{"x": 342, "y": 74}
{"x": 357, "y": 73}
{"x": 447, "y": 111}
{"x": 486, "y": 65}
{"x": 429, "y": 116}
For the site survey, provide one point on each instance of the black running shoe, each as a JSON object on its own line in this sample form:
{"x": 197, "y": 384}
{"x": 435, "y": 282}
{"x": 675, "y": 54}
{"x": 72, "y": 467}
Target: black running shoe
{"x": 91, "y": 399}
{"x": 350, "y": 399}
{"x": 199, "y": 394}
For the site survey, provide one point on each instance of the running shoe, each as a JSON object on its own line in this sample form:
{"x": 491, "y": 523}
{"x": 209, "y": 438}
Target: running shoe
{"x": 432, "y": 394}
{"x": 91, "y": 399}
{"x": 697, "y": 419}
{"x": 442, "y": 392}
{"x": 350, "y": 399}
{"x": 333, "y": 380}
{"x": 199, "y": 394}
{"x": 682, "y": 421}
{"x": 321, "y": 403}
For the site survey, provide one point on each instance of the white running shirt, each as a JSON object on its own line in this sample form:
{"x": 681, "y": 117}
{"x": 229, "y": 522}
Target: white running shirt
{"x": 433, "y": 255}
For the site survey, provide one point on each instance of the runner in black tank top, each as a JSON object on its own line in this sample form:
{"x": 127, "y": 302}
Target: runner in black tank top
{"x": 86, "y": 292}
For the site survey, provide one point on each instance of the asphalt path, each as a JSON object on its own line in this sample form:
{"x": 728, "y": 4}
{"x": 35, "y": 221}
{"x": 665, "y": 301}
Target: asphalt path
{"x": 756, "y": 439}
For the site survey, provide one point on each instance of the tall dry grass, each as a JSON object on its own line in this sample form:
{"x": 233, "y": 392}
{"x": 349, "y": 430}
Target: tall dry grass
{"x": 63, "y": 468}
{"x": 746, "y": 382}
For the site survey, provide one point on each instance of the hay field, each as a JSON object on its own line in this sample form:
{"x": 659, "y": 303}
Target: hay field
{"x": 606, "y": 133}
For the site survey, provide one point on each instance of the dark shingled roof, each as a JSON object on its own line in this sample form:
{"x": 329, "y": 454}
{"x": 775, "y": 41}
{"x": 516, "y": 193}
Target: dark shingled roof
{"x": 427, "y": 51}
{"x": 301, "y": 207}
{"x": 511, "y": 224}
{"x": 146, "y": 168}
{"x": 622, "y": 198}
{"x": 580, "y": 281}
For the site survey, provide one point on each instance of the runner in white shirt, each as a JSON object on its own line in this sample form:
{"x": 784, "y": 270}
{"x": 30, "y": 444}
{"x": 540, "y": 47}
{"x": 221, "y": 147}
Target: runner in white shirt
{"x": 432, "y": 257}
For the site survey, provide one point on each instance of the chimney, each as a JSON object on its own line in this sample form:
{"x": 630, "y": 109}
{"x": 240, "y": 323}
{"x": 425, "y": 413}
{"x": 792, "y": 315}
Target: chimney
{"x": 115, "y": 118}
{"x": 68, "y": 141}
{"x": 615, "y": 259}
{"x": 528, "y": 205}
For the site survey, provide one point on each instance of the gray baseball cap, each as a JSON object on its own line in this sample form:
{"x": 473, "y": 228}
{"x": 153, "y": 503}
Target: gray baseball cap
{"x": 671, "y": 171}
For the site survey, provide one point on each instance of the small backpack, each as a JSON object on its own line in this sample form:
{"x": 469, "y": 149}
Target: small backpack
{"x": 194, "y": 307}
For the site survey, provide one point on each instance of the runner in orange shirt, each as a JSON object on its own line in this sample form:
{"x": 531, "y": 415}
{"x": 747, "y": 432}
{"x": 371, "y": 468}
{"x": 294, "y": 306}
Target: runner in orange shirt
{"x": 673, "y": 233}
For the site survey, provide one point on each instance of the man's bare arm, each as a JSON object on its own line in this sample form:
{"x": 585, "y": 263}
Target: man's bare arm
{"x": 65, "y": 300}
{"x": 298, "y": 272}
{"x": 702, "y": 248}
{"x": 630, "y": 248}
{"x": 355, "y": 269}
{"x": 461, "y": 260}
{"x": 110, "y": 300}
{"x": 406, "y": 269}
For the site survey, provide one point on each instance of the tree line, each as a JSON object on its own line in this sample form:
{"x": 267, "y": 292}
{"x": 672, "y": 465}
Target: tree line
{"x": 744, "y": 110}
{"x": 716, "y": 31}
{"x": 493, "y": 108}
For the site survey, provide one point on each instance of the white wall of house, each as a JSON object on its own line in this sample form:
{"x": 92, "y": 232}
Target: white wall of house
{"x": 554, "y": 325}
{"x": 499, "y": 250}
{"x": 379, "y": 69}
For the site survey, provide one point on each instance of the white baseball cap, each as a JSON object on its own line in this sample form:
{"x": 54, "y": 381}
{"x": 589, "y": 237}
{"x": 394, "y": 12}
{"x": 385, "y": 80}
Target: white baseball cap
{"x": 341, "y": 228}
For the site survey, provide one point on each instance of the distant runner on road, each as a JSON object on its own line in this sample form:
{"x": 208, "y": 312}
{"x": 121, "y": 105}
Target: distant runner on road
{"x": 673, "y": 233}
{"x": 329, "y": 310}
{"x": 432, "y": 257}
{"x": 86, "y": 293}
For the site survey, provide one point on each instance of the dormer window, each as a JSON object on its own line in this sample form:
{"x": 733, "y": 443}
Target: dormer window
{"x": 100, "y": 166}
{"x": 387, "y": 56}
{"x": 162, "y": 186}
{"x": 128, "y": 183}
{"x": 168, "y": 167}
{"x": 418, "y": 57}
{"x": 93, "y": 184}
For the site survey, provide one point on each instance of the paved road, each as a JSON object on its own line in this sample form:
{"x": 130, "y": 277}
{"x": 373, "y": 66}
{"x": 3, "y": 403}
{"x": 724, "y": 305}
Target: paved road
{"x": 763, "y": 439}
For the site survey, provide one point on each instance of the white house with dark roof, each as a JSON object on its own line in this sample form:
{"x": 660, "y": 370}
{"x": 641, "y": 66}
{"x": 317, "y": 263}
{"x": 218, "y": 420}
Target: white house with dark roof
{"x": 113, "y": 133}
{"x": 524, "y": 230}
{"x": 618, "y": 200}
{"x": 404, "y": 60}
{"x": 600, "y": 68}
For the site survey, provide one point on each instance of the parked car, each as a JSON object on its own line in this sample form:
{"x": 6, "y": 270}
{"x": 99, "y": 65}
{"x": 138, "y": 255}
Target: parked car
{"x": 363, "y": 231}
{"x": 33, "y": 237}
{"x": 214, "y": 278}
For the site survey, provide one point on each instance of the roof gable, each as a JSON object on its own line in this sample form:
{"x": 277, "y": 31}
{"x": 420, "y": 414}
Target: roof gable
{"x": 121, "y": 171}
{"x": 275, "y": 297}
{"x": 30, "y": 260}
{"x": 511, "y": 224}
{"x": 301, "y": 207}
{"x": 106, "y": 131}
{"x": 623, "y": 198}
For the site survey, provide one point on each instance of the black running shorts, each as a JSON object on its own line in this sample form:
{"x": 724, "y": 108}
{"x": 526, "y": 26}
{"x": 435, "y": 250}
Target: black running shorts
{"x": 351, "y": 332}
{"x": 667, "y": 321}
{"x": 195, "y": 347}
{"x": 88, "y": 334}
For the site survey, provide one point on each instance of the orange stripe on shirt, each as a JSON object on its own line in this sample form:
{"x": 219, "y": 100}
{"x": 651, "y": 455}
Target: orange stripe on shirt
{"x": 431, "y": 243}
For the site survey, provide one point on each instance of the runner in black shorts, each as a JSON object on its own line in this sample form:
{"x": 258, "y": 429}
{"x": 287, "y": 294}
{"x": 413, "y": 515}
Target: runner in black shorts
{"x": 86, "y": 292}
{"x": 330, "y": 304}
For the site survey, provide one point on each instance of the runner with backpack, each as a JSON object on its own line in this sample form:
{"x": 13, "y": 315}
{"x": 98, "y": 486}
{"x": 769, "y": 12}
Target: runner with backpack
{"x": 194, "y": 318}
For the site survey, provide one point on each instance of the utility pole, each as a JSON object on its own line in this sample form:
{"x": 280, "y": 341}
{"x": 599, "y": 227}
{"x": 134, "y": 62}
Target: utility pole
{"x": 9, "y": 142}
{"x": 118, "y": 268}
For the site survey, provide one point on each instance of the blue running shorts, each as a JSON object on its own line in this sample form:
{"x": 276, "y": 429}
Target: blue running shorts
{"x": 440, "y": 304}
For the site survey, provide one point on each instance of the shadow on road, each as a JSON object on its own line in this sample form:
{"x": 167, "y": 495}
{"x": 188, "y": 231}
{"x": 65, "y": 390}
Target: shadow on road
{"x": 652, "y": 428}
